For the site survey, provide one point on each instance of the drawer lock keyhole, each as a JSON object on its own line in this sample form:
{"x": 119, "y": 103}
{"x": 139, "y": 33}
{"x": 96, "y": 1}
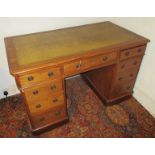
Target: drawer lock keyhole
{"x": 105, "y": 58}
{"x": 139, "y": 50}
{"x": 35, "y": 92}
{"x": 38, "y": 106}
{"x": 78, "y": 66}
{"x": 57, "y": 113}
{"x": 55, "y": 100}
{"x": 30, "y": 78}
{"x": 50, "y": 74}
{"x": 42, "y": 119}
{"x": 53, "y": 87}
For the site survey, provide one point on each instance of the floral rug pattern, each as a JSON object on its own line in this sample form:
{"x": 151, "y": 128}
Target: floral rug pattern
{"x": 87, "y": 114}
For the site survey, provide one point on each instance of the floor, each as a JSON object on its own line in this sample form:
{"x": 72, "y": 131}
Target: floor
{"x": 87, "y": 114}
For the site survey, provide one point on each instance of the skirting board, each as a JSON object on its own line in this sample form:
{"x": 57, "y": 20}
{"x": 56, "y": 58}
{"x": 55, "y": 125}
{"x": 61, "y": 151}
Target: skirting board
{"x": 145, "y": 100}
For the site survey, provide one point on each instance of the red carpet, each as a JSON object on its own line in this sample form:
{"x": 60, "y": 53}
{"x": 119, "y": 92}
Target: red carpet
{"x": 88, "y": 117}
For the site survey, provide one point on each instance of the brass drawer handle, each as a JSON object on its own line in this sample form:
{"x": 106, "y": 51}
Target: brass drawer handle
{"x": 50, "y": 74}
{"x": 128, "y": 87}
{"x": 127, "y": 53}
{"x": 55, "y": 100}
{"x": 57, "y": 113}
{"x": 78, "y": 66}
{"x": 35, "y": 92}
{"x": 123, "y": 66}
{"x": 53, "y": 87}
{"x": 42, "y": 119}
{"x": 30, "y": 78}
{"x": 38, "y": 106}
{"x": 105, "y": 58}
{"x": 120, "y": 78}
{"x": 139, "y": 50}
{"x": 135, "y": 63}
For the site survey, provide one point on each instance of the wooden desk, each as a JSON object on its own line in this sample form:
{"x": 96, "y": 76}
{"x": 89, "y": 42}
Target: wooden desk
{"x": 109, "y": 57}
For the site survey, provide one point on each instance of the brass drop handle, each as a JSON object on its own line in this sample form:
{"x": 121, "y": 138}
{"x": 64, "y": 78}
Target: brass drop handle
{"x": 120, "y": 78}
{"x": 30, "y": 78}
{"x": 78, "y": 65}
{"x": 38, "y": 106}
{"x": 57, "y": 113}
{"x": 139, "y": 50}
{"x": 53, "y": 87}
{"x": 50, "y": 74}
{"x": 123, "y": 66}
{"x": 42, "y": 119}
{"x": 127, "y": 53}
{"x": 105, "y": 58}
{"x": 135, "y": 63}
{"x": 128, "y": 87}
{"x": 55, "y": 100}
{"x": 35, "y": 92}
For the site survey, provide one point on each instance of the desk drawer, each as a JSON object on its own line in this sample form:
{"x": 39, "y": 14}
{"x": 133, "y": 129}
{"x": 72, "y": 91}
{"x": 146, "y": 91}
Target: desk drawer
{"x": 130, "y": 63}
{"x": 125, "y": 54}
{"x": 126, "y": 76}
{"x": 50, "y": 117}
{"x": 41, "y": 105}
{"x": 100, "y": 59}
{"x": 36, "y": 77}
{"x": 72, "y": 67}
{"x": 43, "y": 91}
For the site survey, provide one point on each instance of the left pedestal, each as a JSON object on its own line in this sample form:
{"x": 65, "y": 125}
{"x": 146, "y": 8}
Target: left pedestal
{"x": 45, "y": 100}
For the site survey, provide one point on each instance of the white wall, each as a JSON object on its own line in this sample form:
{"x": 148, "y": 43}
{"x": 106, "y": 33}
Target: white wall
{"x": 144, "y": 88}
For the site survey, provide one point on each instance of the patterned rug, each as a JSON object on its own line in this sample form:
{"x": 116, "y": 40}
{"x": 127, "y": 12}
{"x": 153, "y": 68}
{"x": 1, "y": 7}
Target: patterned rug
{"x": 88, "y": 116}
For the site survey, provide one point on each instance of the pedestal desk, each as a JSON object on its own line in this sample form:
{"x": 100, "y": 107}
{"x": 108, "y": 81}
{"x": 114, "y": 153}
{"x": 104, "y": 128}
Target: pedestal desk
{"x": 106, "y": 55}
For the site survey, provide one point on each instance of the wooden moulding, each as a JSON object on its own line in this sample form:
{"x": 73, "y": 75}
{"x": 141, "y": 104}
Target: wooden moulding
{"x": 48, "y": 127}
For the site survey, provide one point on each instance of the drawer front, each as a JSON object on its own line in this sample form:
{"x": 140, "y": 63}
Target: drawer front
{"x": 126, "y": 76}
{"x": 100, "y": 59}
{"x": 53, "y": 116}
{"x": 36, "y": 77}
{"x": 122, "y": 89}
{"x": 125, "y": 54}
{"x": 41, "y": 105}
{"x": 72, "y": 67}
{"x": 130, "y": 63}
{"x": 43, "y": 91}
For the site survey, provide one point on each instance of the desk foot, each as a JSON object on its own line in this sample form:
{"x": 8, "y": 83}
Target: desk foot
{"x": 48, "y": 127}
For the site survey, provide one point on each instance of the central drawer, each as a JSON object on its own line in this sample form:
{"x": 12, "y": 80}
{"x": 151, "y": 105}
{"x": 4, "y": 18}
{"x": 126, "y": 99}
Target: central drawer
{"x": 100, "y": 60}
{"x": 73, "y": 67}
